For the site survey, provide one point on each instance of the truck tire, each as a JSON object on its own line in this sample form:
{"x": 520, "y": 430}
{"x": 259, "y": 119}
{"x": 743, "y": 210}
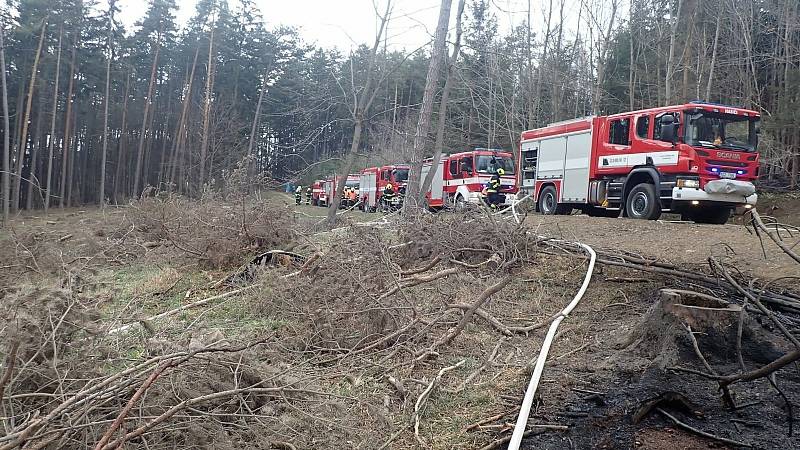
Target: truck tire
{"x": 642, "y": 202}
{"x": 548, "y": 203}
{"x": 712, "y": 215}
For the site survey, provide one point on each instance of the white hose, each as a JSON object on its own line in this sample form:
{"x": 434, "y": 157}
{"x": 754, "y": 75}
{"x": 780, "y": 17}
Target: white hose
{"x": 527, "y": 402}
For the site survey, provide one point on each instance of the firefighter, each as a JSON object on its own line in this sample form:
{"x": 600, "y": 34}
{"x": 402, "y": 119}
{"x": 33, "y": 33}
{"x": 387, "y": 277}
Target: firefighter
{"x": 353, "y": 196}
{"x": 308, "y": 195}
{"x": 388, "y": 195}
{"x": 298, "y": 194}
{"x": 493, "y": 189}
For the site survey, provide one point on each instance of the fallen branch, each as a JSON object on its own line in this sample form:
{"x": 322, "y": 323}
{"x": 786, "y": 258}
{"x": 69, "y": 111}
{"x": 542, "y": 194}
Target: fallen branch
{"x": 493, "y": 289}
{"x": 775, "y": 238}
{"x": 424, "y": 397}
{"x": 11, "y": 359}
{"x": 172, "y": 312}
{"x": 489, "y": 361}
{"x": 135, "y": 398}
{"x": 702, "y": 433}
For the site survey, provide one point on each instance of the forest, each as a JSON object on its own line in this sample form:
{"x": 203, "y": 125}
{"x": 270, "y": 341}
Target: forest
{"x": 95, "y": 112}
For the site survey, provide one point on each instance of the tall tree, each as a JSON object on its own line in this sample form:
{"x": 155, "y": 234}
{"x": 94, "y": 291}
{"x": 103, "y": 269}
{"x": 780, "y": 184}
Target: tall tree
{"x": 6, "y": 130}
{"x": 23, "y": 141}
{"x": 448, "y": 85}
{"x": 52, "y": 137}
{"x": 361, "y": 103}
{"x": 106, "y": 98}
{"x": 438, "y": 53}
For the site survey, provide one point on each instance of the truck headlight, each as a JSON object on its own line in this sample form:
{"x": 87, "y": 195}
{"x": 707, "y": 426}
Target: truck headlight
{"x": 688, "y": 183}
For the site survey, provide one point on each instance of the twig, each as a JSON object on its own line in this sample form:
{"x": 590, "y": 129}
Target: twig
{"x": 480, "y": 369}
{"x": 477, "y": 304}
{"x": 775, "y": 238}
{"x": 11, "y": 359}
{"x": 697, "y": 350}
{"x": 702, "y": 433}
{"x": 424, "y": 397}
{"x": 172, "y": 312}
{"x": 135, "y": 398}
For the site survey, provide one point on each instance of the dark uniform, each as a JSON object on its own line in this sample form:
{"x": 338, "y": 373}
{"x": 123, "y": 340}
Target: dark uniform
{"x": 493, "y": 197}
{"x": 298, "y": 195}
{"x": 308, "y": 195}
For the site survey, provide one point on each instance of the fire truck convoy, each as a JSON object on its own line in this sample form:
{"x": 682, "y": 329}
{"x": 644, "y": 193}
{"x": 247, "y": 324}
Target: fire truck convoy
{"x": 460, "y": 177}
{"x": 696, "y": 159}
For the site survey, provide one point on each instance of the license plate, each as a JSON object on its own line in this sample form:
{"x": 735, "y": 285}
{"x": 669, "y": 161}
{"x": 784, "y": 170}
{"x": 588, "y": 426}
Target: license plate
{"x": 728, "y": 175}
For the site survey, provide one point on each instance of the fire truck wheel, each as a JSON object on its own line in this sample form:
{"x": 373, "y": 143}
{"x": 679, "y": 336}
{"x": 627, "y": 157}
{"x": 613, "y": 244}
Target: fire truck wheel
{"x": 716, "y": 216}
{"x": 643, "y": 202}
{"x": 548, "y": 203}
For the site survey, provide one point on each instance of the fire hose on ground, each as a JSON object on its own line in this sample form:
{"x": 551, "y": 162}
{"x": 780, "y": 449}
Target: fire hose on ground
{"x": 530, "y": 393}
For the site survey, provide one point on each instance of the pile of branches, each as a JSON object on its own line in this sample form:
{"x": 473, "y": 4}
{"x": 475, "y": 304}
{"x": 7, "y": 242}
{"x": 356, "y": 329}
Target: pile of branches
{"x": 65, "y": 383}
{"x": 217, "y": 231}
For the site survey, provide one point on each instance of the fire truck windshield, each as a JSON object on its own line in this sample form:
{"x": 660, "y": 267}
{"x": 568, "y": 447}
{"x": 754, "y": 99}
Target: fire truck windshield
{"x": 717, "y": 130}
{"x": 490, "y": 164}
{"x": 400, "y": 175}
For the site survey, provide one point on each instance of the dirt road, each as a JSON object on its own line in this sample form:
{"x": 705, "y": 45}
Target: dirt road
{"x": 679, "y": 243}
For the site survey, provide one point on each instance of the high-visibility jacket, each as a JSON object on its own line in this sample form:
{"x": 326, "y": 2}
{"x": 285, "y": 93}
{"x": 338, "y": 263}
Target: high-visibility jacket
{"x": 388, "y": 193}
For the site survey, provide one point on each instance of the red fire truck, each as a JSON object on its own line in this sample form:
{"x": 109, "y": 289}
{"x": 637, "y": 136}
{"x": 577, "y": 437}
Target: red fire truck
{"x": 329, "y": 185}
{"x": 373, "y": 181}
{"x": 461, "y": 177}
{"x": 318, "y": 197}
{"x": 697, "y": 159}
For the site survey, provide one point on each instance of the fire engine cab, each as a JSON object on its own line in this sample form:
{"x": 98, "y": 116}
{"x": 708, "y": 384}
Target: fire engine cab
{"x": 373, "y": 181}
{"x": 697, "y": 159}
{"x": 460, "y": 177}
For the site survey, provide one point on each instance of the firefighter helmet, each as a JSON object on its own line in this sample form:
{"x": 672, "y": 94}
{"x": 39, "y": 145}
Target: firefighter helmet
{"x": 389, "y": 186}
{"x": 501, "y": 172}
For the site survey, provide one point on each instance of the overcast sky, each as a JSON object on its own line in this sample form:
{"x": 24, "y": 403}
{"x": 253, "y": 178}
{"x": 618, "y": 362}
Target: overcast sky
{"x": 347, "y": 23}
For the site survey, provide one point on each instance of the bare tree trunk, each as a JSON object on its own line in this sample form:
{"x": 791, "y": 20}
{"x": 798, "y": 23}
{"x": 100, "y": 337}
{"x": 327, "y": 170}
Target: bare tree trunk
{"x": 36, "y": 144}
{"x": 207, "y": 108}
{"x": 529, "y": 54}
{"x": 632, "y": 65}
{"x": 437, "y": 146}
{"x": 429, "y": 94}
{"x": 671, "y": 57}
{"x": 122, "y": 158}
{"x": 51, "y": 143}
{"x": 542, "y": 62}
{"x": 105, "y": 106}
{"x": 256, "y": 119}
{"x": 361, "y": 105}
{"x": 65, "y": 157}
{"x": 23, "y": 141}
{"x": 180, "y": 132}
{"x": 713, "y": 60}
{"x": 145, "y": 115}
{"x": 6, "y": 133}
{"x": 602, "y": 54}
